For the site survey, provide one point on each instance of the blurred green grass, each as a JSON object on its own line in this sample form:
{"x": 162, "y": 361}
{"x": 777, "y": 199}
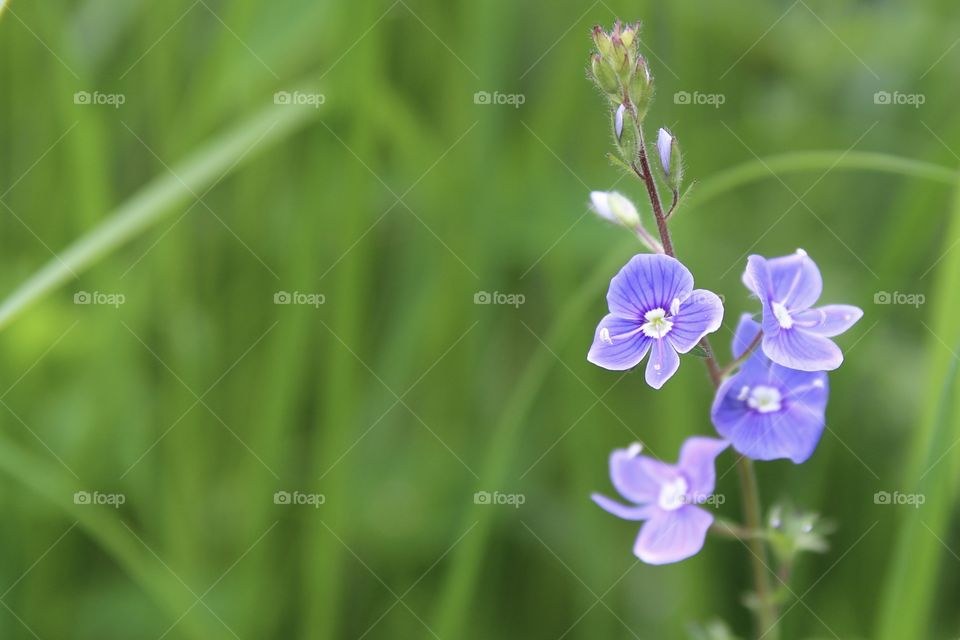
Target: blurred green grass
{"x": 398, "y": 200}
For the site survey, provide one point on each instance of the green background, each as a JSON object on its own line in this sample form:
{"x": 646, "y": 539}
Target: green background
{"x": 398, "y": 200}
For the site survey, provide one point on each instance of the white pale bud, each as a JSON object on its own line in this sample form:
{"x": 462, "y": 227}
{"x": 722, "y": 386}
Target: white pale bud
{"x": 615, "y": 207}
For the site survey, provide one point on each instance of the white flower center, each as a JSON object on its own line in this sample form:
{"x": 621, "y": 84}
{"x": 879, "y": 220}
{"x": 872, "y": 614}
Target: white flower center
{"x": 764, "y": 399}
{"x": 673, "y": 494}
{"x": 782, "y": 315}
{"x": 656, "y": 325}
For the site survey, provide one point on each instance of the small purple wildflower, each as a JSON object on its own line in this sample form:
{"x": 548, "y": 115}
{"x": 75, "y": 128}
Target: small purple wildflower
{"x": 768, "y": 411}
{"x": 666, "y": 496}
{"x": 653, "y": 307}
{"x": 794, "y": 335}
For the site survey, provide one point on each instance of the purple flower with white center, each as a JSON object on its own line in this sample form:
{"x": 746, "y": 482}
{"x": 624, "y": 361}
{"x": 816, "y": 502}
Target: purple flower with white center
{"x": 794, "y": 335}
{"x": 666, "y": 496}
{"x": 653, "y": 307}
{"x": 768, "y": 411}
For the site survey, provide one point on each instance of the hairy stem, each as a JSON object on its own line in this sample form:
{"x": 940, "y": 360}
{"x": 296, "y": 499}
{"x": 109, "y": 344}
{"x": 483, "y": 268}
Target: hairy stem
{"x": 766, "y": 609}
{"x": 643, "y": 171}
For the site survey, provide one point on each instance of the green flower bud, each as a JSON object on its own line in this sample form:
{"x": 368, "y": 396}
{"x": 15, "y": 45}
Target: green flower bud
{"x": 627, "y": 142}
{"x": 604, "y": 77}
{"x": 640, "y": 86}
{"x": 603, "y": 41}
{"x": 629, "y": 34}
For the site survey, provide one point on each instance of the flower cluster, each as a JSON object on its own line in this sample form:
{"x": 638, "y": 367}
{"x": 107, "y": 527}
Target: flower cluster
{"x": 769, "y": 402}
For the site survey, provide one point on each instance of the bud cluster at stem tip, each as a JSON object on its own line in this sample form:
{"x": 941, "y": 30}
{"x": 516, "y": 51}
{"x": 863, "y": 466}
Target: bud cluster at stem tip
{"x": 618, "y": 69}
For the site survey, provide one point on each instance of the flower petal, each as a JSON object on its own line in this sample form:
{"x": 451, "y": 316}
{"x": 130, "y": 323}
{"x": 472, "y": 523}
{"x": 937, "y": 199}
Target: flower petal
{"x": 631, "y": 477}
{"x": 746, "y": 333}
{"x": 791, "y": 433}
{"x": 697, "y": 456}
{"x": 663, "y": 363}
{"x": 648, "y": 281}
{"x": 671, "y": 536}
{"x": 631, "y": 512}
{"x": 828, "y": 321}
{"x": 794, "y": 281}
{"x": 796, "y": 349}
{"x": 698, "y": 315}
{"x": 618, "y": 344}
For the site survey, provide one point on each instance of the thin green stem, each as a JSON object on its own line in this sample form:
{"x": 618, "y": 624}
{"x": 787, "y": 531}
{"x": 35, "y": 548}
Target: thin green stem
{"x": 766, "y": 606}
{"x": 743, "y": 356}
{"x": 725, "y": 529}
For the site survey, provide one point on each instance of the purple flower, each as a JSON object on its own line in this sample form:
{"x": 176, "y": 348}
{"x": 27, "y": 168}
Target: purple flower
{"x": 794, "y": 335}
{"x": 768, "y": 411}
{"x": 666, "y": 496}
{"x": 653, "y": 307}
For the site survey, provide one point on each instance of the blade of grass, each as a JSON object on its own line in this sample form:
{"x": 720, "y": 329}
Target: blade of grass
{"x": 112, "y": 536}
{"x": 910, "y": 586}
{"x": 752, "y": 171}
{"x": 160, "y": 197}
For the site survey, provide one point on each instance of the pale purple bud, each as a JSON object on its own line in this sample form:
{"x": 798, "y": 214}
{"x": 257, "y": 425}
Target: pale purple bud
{"x": 615, "y": 207}
{"x": 664, "y": 147}
{"x": 618, "y": 120}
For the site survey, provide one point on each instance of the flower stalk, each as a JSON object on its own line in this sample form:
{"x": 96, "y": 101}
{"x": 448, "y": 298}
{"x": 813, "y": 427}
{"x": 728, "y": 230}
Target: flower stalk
{"x": 769, "y": 401}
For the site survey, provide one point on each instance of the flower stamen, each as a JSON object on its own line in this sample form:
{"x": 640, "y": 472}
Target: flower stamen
{"x": 782, "y": 315}
{"x": 673, "y": 494}
{"x": 763, "y": 399}
{"x": 656, "y": 325}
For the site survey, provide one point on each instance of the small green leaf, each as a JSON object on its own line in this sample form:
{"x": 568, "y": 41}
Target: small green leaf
{"x": 713, "y": 630}
{"x": 699, "y": 352}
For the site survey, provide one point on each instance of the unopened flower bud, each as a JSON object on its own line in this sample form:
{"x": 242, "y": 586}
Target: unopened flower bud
{"x": 640, "y": 86}
{"x": 668, "y": 149}
{"x": 616, "y": 208}
{"x": 604, "y": 77}
{"x": 627, "y": 142}
{"x": 603, "y": 41}
{"x": 618, "y": 121}
{"x": 629, "y": 34}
